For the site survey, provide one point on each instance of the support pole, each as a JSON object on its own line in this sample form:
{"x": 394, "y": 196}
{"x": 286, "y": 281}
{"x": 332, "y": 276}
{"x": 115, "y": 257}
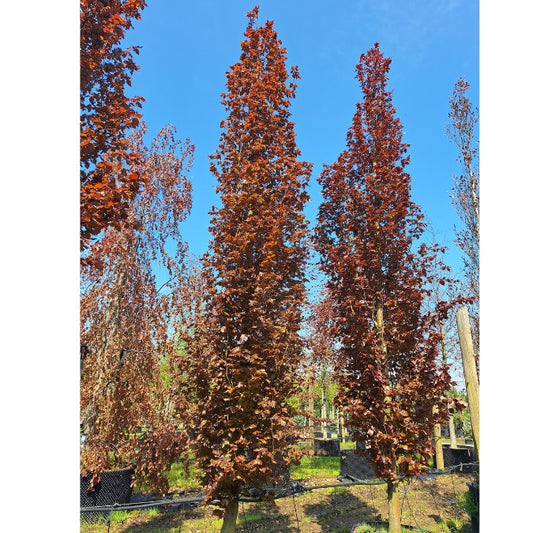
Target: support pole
{"x": 437, "y": 435}
{"x": 470, "y": 373}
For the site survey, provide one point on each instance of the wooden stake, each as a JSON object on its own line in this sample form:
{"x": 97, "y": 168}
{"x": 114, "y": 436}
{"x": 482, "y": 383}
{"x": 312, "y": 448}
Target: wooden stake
{"x": 470, "y": 372}
{"x": 323, "y": 412}
{"x": 453, "y": 438}
{"x": 311, "y": 409}
{"x": 342, "y": 429}
{"x": 437, "y": 434}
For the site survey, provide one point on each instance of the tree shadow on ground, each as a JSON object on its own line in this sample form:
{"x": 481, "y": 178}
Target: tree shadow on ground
{"x": 264, "y": 517}
{"x": 340, "y": 510}
{"x": 261, "y": 517}
{"x": 445, "y": 525}
{"x": 164, "y": 520}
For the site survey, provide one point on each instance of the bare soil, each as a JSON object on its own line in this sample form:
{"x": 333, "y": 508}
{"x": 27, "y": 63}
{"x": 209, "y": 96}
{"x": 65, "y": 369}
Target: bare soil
{"x": 427, "y": 505}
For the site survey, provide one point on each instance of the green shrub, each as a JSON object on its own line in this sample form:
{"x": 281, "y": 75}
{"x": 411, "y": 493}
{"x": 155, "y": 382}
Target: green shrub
{"x": 454, "y": 525}
{"x": 466, "y": 502}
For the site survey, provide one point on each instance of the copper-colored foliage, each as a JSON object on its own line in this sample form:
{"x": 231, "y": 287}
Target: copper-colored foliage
{"x": 390, "y": 381}
{"x": 247, "y": 347}
{"x": 130, "y": 326}
{"x": 108, "y": 180}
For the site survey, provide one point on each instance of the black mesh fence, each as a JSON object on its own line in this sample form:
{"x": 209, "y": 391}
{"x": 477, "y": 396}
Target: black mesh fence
{"x": 109, "y": 515}
{"x": 113, "y": 498}
{"x": 355, "y": 470}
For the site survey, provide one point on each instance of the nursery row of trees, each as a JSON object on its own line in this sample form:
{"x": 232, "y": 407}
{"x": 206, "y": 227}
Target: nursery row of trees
{"x": 209, "y": 359}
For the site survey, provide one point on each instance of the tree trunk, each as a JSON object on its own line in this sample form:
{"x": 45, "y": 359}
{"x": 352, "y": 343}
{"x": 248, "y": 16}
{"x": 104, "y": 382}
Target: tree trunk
{"x": 392, "y": 486}
{"x": 311, "y": 408}
{"x": 470, "y": 372}
{"x": 393, "y": 500}
{"x": 341, "y": 429}
{"x": 439, "y": 457}
{"x": 437, "y": 434}
{"x": 380, "y": 327}
{"x": 229, "y": 522}
{"x": 324, "y": 413}
{"x": 453, "y": 438}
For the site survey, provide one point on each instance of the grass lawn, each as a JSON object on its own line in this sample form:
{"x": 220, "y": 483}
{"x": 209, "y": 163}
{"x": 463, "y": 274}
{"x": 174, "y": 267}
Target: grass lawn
{"x": 316, "y": 467}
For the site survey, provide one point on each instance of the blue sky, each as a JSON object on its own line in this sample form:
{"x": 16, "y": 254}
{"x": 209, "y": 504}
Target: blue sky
{"x": 187, "y": 47}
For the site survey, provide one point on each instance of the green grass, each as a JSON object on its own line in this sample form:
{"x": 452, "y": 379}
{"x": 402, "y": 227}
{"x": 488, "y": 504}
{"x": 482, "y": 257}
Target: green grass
{"x": 251, "y": 517}
{"x": 348, "y": 445}
{"x": 367, "y": 528}
{"x": 121, "y": 516}
{"x": 316, "y": 467}
{"x": 179, "y": 480}
{"x": 455, "y": 525}
{"x": 338, "y": 490}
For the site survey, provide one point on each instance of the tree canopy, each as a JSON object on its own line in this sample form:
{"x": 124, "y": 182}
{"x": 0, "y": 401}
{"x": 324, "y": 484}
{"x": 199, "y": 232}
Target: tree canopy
{"x": 390, "y": 382}
{"x": 129, "y": 325}
{"x": 108, "y": 180}
{"x": 249, "y": 343}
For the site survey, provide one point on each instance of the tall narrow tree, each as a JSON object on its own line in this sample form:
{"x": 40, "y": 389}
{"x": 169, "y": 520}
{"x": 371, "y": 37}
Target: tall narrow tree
{"x": 248, "y": 348}
{"x": 449, "y": 344}
{"x": 108, "y": 180}
{"x": 128, "y": 322}
{"x": 465, "y": 194}
{"x": 321, "y": 348}
{"x": 390, "y": 383}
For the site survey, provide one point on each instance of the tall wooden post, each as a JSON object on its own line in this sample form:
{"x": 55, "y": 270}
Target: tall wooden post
{"x": 311, "y": 409}
{"x": 453, "y": 438}
{"x": 470, "y": 372}
{"x": 437, "y": 434}
{"x": 323, "y": 413}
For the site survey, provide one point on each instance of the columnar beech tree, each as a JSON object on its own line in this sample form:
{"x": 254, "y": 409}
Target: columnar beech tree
{"x": 449, "y": 344}
{"x": 128, "y": 322}
{"x": 321, "y": 348}
{"x": 248, "y": 347}
{"x": 465, "y": 194}
{"x": 390, "y": 383}
{"x": 108, "y": 180}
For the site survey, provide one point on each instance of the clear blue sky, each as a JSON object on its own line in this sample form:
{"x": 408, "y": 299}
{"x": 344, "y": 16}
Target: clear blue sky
{"x": 187, "y": 47}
